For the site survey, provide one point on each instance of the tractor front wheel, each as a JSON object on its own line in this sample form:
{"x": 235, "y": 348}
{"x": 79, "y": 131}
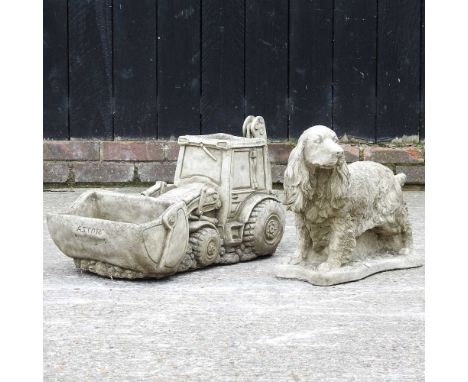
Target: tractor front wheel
{"x": 206, "y": 245}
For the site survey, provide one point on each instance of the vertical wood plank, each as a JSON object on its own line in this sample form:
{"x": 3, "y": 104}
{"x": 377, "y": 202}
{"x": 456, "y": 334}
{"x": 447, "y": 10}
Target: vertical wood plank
{"x": 134, "y": 28}
{"x": 55, "y": 69}
{"x": 179, "y": 67}
{"x": 310, "y": 67}
{"x": 422, "y": 118}
{"x": 354, "y": 68}
{"x": 90, "y": 68}
{"x": 266, "y": 64}
{"x": 222, "y": 98}
{"x": 398, "y": 72}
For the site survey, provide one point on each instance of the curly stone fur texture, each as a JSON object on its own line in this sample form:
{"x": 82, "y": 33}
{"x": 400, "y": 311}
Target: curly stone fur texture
{"x": 344, "y": 213}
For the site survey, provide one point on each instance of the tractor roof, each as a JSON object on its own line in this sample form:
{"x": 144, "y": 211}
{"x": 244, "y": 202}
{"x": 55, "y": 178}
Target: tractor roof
{"x": 221, "y": 141}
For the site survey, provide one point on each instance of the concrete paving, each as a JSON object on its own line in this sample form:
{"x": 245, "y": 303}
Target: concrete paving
{"x": 232, "y": 323}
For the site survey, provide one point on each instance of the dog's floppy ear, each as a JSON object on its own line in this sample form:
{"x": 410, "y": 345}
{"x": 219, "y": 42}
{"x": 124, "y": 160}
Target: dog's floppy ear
{"x": 296, "y": 180}
{"x": 339, "y": 184}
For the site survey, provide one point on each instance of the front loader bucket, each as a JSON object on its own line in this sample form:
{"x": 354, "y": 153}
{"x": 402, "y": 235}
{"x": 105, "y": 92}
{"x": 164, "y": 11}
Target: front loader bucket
{"x": 105, "y": 235}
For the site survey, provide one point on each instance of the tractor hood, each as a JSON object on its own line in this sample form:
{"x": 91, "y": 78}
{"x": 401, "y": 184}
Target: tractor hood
{"x": 193, "y": 195}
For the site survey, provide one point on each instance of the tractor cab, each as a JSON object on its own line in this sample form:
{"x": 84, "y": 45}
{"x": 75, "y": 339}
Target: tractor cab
{"x": 237, "y": 167}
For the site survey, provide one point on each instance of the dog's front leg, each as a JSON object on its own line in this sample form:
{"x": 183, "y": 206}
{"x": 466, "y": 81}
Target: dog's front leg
{"x": 304, "y": 241}
{"x": 341, "y": 244}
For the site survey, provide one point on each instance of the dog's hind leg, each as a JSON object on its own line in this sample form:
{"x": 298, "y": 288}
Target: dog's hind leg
{"x": 406, "y": 232}
{"x": 396, "y": 235}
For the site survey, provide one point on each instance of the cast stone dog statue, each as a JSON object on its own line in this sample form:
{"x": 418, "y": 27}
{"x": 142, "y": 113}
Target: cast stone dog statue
{"x": 335, "y": 204}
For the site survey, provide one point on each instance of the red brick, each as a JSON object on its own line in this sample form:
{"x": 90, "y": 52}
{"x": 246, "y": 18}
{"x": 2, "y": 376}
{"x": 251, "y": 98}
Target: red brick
{"x": 70, "y": 150}
{"x": 277, "y": 173}
{"x": 394, "y": 154}
{"x": 414, "y": 174}
{"x": 279, "y": 152}
{"x": 132, "y": 151}
{"x": 55, "y": 172}
{"x": 153, "y": 171}
{"x": 351, "y": 153}
{"x": 172, "y": 150}
{"x": 103, "y": 172}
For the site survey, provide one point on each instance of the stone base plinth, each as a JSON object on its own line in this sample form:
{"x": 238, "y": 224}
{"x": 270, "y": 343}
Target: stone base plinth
{"x": 350, "y": 272}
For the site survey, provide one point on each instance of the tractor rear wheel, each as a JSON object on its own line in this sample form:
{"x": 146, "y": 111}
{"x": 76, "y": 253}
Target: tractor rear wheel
{"x": 206, "y": 245}
{"x": 264, "y": 229}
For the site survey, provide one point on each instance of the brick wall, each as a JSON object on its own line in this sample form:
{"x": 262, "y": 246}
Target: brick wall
{"x": 93, "y": 162}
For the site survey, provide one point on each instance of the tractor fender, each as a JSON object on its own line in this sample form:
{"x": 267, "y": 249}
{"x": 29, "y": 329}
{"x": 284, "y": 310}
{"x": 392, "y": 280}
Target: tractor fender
{"x": 249, "y": 204}
{"x": 196, "y": 225}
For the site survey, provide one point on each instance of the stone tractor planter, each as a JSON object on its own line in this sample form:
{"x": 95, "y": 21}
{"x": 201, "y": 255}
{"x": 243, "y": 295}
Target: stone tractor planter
{"x": 220, "y": 210}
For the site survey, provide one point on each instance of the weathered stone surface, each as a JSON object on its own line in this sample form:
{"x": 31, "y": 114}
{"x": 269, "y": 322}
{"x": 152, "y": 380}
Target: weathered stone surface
{"x": 277, "y": 173}
{"x": 153, "y": 171}
{"x": 55, "y": 172}
{"x": 233, "y": 323}
{"x": 132, "y": 151}
{"x": 393, "y": 154}
{"x": 70, "y": 150}
{"x": 344, "y": 234}
{"x": 103, "y": 172}
{"x": 168, "y": 228}
{"x": 414, "y": 174}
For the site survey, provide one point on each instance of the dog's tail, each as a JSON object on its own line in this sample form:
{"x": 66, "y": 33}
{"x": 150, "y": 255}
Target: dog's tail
{"x": 401, "y": 178}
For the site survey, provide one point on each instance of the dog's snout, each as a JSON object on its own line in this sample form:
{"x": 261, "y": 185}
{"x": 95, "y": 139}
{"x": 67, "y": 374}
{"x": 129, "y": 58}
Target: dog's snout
{"x": 340, "y": 153}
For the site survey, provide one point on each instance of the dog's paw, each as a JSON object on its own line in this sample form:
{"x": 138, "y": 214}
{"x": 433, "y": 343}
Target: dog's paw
{"x": 324, "y": 267}
{"x": 404, "y": 251}
{"x": 297, "y": 259}
{"x": 327, "y": 266}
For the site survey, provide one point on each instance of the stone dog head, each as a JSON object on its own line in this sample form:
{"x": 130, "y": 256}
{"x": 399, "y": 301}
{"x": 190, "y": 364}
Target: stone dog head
{"x": 316, "y": 162}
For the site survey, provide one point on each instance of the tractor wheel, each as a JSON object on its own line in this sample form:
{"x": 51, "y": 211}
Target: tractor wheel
{"x": 264, "y": 229}
{"x": 206, "y": 245}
